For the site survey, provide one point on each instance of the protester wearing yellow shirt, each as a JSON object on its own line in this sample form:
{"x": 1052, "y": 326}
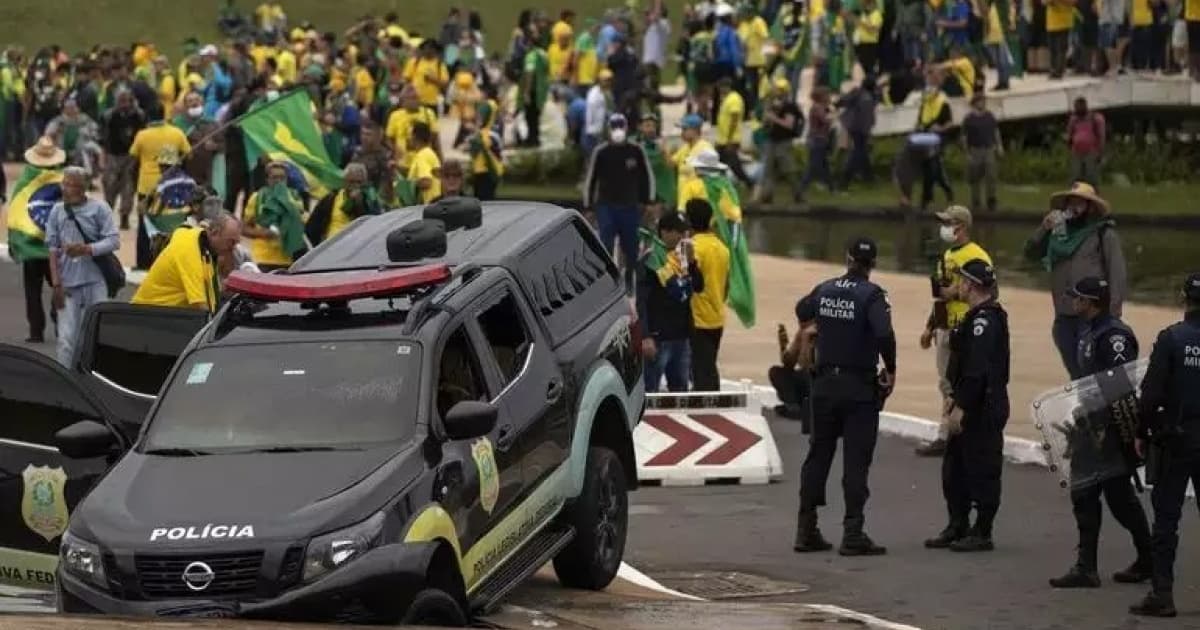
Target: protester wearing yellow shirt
{"x": 364, "y": 83}
{"x": 693, "y": 144}
{"x": 168, "y": 87}
{"x": 960, "y": 74}
{"x": 428, "y": 75}
{"x": 866, "y": 36}
{"x": 558, "y": 55}
{"x": 400, "y": 125}
{"x": 266, "y": 248}
{"x": 185, "y": 274}
{"x": 148, "y": 144}
{"x": 1060, "y": 19}
{"x": 730, "y": 116}
{"x": 285, "y": 63}
{"x": 587, "y": 62}
{"x": 424, "y": 170}
{"x": 753, "y": 32}
{"x": 259, "y": 53}
{"x": 708, "y": 306}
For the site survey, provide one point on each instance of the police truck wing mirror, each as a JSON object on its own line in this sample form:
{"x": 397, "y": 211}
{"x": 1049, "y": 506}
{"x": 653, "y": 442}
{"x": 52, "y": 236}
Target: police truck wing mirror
{"x": 470, "y": 419}
{"x": 85, "y": 439}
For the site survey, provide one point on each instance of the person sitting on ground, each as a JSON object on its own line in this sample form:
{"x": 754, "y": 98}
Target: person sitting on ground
{"x": 185, "y": 274}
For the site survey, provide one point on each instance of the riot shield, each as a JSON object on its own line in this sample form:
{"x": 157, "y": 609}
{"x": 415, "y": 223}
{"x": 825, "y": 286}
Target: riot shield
{"x": 1088, "y": 426}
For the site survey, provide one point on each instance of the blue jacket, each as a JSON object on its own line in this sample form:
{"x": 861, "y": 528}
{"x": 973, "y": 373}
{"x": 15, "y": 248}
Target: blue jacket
{"x": 217, "y": 92}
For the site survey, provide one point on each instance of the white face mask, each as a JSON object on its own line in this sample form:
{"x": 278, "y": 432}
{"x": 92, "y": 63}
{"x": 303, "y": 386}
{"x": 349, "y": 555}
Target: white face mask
{"x": 948, "y": 233}
{"x": 195, "y": 112}
{"x": 272, "y": 95}
{"x": 617, "y": 135}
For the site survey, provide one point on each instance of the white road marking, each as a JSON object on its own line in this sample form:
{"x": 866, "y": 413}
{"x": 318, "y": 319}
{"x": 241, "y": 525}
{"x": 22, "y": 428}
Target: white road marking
{"x": 870, "y": 620}
{"x": 630, "y": 574}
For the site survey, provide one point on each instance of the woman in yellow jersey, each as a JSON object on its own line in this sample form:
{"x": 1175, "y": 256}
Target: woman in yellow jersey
{"x": 867, "y": 26}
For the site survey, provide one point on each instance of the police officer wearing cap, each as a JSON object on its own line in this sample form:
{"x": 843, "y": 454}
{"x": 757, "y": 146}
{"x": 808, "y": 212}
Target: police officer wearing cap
{"x": 1105, "y": 342}
{"x": 1169, "y": 433}
{"x": 854, "y": 330}
{"x": 977, "y": 411}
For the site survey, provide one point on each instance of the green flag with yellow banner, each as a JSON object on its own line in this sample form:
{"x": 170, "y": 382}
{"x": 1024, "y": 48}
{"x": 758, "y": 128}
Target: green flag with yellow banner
{"x": 284, "y": 129}
{"x": 726, "y": 204}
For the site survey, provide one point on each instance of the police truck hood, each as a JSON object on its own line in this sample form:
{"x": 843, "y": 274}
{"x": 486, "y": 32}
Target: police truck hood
{"x": 179, "y": 501}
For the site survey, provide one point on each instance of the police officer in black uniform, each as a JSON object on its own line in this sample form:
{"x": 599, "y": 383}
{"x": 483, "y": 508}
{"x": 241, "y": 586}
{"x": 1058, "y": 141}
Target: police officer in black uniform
{"x": 1105, "y": 343}
{"x": 854, "y": 330}
{"x": 978, "y": 410}
{"x": 1170, "y": 420}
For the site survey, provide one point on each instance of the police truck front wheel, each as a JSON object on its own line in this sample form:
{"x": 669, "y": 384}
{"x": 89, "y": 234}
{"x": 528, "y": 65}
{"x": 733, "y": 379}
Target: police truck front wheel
{"x": 434, "y": 607}
{"x": 600, "y": 517}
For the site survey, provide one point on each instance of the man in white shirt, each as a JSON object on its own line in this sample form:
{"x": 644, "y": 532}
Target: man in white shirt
{"x": 654, "y": 41}
{"x": 596, "y": 115}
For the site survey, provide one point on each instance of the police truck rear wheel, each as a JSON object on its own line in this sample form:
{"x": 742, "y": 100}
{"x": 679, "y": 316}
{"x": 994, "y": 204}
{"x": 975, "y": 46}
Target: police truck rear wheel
{"x": 434, "y": 607}
{"x": 600, "y": 517}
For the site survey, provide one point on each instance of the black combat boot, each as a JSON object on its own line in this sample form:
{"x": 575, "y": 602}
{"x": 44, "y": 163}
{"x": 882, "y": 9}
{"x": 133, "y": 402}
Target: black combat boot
{"x": 955, "y": 530}
{"x": 936, "y": 448}
{"x": 1155, "y": 605}
{"x": 857, "y": 543}
{"x": 808, "y": 535}
{"x": 1077, "y": 577}
{"x": 1137, "y": 572}
{"x": 979, "y": 538}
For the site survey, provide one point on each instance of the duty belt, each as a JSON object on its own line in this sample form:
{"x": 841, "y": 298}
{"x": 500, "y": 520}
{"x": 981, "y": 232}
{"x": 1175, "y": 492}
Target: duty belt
{"x": 837, "y": 370}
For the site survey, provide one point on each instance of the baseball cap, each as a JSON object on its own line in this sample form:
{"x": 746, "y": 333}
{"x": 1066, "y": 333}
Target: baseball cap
{"x": 955, "y": 214}
{"x": 979, "y": 272}
{"x": 617, "y": 121}
{"x": 1090, "y": 288}
{"x": 1191, "y": 287}
{"x": 691, "y": 121}
{"x": 208, "y": 51}
{"x": 862, "y": 249}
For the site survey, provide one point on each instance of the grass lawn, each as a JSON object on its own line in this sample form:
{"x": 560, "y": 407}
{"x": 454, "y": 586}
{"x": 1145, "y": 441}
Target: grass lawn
{"x": 78, "y": 24}
{"x": 1161, "y": 200}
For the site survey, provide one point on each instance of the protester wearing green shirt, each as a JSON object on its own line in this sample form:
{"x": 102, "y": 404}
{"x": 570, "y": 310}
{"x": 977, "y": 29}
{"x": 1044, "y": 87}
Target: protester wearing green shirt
{"x": 535, "y": 87}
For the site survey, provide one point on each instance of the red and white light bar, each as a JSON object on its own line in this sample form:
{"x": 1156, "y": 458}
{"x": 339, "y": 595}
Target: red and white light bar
{"x": 335, "y": 286}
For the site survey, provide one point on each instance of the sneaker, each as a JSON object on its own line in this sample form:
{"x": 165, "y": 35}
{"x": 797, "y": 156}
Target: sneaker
{"x": 936, "y": 448}
{"x": 1154, "y": 605}
{"x": 1077, "y": 577}
{"x": 971, "y": 544}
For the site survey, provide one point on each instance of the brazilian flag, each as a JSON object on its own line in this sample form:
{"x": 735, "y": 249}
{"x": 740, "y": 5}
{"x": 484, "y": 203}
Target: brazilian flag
{"x": 33, "y": 196}
{"x": 285, "y": 130}
{"x": 724, "y": 199}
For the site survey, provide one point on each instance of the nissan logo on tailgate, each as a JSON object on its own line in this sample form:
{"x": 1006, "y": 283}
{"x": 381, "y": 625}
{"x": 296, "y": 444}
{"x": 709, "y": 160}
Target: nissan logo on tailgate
{"x": 198, "y": 576}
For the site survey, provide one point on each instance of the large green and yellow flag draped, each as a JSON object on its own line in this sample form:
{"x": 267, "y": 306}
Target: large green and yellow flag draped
{"x": 33, "y": 196}
{"x": 726, "y": 215}
{"x": 285, "y": 130}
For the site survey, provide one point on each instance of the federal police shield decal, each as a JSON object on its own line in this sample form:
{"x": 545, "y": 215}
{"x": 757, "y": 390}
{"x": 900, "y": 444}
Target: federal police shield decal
{"x": 44, "y": 506}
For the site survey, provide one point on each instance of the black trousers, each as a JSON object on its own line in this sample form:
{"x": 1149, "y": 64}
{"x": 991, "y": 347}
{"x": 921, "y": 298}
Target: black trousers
{"x": 1058, "y": 41}
{"x": 749, "y": 86}
{"x": 34, "y": 273}
{"x": 706, "y": 343}
{"x": 1167, "y": 498}
{"x": 143, "y": 257}
{"x": 868, "y": 57}
{"x": 933, "y": 173}
{"x": 484, "y": 186}
{"x": 792, "y": 386}
{"x": 729, "y": 157}
{"x": 843, "y": 406}
{"x": 1123, "y": 502}
{"x": 533, "y": 119}
{"x": 971, "y": 471}
{"x": 237, "y": 180}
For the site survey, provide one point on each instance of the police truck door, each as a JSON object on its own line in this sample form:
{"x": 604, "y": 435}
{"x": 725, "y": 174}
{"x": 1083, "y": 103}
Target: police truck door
{"x": 126, "y": 352}
{"x": 38, "y": 485}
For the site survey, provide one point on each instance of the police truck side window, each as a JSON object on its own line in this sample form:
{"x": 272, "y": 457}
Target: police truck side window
{"x": 507, "y": 336}
{"x": 458, "y": 374}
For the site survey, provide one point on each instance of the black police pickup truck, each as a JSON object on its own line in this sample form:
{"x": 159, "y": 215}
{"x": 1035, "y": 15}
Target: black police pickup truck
{"x": 412, "y": 419}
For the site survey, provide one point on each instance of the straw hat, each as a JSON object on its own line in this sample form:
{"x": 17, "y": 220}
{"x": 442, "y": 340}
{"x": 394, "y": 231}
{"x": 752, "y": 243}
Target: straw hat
{"x": 1080, "y": 190}
{"x": 45, "y": 154}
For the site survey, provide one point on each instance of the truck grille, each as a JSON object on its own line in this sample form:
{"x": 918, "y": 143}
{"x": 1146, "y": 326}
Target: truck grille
{"x": 233, "y": 574}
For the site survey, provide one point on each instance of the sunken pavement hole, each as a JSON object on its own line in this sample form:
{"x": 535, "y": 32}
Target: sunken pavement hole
{"x": 716, "y": 585}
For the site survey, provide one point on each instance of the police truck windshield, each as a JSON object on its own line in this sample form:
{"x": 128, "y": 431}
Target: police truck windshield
{"x": 288, "y": 397}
